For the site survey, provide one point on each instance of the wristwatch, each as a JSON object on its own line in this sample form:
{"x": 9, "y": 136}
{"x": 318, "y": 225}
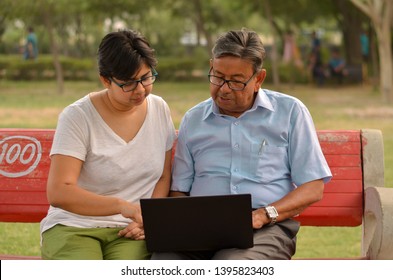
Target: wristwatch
{"x": 272, "y": 214}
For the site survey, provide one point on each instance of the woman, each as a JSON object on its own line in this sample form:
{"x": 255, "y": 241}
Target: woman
{"x": 111, "y": 148}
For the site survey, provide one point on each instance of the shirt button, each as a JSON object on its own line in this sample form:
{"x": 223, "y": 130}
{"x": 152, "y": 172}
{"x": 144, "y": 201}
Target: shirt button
{"x": 236, "y": 145}
{"x": 236, "y": 123}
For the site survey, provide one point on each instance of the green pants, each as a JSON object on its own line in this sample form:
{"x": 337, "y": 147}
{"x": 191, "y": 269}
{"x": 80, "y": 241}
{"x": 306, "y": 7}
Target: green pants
{"x": 72, "y": 243}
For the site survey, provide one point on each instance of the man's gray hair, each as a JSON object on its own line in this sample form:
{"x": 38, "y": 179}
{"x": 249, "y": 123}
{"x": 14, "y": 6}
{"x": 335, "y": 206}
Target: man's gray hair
{"x": 245, "y": 44}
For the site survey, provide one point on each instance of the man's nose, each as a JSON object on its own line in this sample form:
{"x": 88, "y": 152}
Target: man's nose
{"x": 225, "y": 87}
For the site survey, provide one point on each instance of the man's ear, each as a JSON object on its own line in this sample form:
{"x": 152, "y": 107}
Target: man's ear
{"x": 260, "y": 78}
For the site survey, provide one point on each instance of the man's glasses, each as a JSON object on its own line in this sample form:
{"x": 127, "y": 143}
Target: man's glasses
{"x": 131, "y": 85}
{"x": 232, "y": 84}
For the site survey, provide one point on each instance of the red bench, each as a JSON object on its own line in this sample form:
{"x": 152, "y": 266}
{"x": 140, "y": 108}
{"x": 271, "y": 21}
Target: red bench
{"x": 355, "y": 196}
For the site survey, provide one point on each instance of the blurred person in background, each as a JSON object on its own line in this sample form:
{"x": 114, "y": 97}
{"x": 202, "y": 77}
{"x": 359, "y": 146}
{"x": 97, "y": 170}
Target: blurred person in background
{"x": 31, "y": 46}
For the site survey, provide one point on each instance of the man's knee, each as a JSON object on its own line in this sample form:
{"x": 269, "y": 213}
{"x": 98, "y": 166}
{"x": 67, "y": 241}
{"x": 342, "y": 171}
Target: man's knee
{"x": 232, "y": 254}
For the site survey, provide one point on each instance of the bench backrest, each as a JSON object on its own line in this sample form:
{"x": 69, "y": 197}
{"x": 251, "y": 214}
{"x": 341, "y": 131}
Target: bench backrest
{"x": 24, "y": 165}
{"x": 342, "y": 203}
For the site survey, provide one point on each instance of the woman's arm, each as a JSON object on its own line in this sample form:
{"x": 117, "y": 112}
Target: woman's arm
{"x": 135, "y": 230}
{"x": 64, "y": 192}
{"x": 164, "y": 183}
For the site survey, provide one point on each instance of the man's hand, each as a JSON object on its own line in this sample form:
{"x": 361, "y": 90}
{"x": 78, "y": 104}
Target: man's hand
{"x": 259, "y": 218}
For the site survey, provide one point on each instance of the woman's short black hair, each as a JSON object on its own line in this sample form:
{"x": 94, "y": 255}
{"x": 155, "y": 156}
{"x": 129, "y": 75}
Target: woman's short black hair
{"x": 122, "y": 53}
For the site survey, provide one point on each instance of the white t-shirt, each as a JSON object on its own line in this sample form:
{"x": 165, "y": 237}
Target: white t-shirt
{"x": 111, "y": 167}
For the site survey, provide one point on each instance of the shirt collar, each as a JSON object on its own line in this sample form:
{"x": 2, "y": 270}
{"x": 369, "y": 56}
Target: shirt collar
{"x": 260, "y": 101}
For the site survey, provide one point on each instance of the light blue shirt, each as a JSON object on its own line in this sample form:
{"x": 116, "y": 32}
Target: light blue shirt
{"x": 268, "y": 151}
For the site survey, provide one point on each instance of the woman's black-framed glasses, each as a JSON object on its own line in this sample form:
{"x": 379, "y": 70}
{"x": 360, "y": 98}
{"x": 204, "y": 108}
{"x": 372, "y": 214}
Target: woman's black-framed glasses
{"x": 131, "y": 85}
{"x": 232, "y": 84}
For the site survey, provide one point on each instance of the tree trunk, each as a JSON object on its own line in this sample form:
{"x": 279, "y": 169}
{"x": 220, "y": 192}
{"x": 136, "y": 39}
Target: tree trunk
{"x": 373, "y": 57}
{"x": 54, "y": 50}
{"x": 350, "y": 22}
{"x": 199, "y": 21}
{"x": 386, "y": 64}
{"x": 381, "y": 14}
{"x": 274, "y": 55}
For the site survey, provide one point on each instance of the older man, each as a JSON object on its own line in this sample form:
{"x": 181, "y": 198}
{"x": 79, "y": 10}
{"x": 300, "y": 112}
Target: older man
{"x": 245, "y": 139}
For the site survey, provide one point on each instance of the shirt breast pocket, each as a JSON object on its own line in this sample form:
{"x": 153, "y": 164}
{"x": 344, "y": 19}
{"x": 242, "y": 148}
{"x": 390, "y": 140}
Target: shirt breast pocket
{"x": 268, "y": 162}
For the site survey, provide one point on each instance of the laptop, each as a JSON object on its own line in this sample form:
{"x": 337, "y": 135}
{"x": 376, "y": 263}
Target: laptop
{"x": 197, "y": 223}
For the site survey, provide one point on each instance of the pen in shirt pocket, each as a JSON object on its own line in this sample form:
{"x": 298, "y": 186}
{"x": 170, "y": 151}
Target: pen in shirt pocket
{"x": 261, "y": 146}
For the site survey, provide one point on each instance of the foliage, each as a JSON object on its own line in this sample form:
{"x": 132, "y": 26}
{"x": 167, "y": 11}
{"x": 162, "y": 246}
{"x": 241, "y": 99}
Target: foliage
{"x": 14, "y": 68}
{"x": 186, "y": 68}
{"x": 169, "y": 68}
{"x": 182, "y": 68}
{"x": 175, "y": 27}
{"x": 165, "y": 23}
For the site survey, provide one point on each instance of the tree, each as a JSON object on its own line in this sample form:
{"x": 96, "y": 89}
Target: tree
{"x": 274, "y": 58}
{"x": 41, "y": 13}
{"x": 350, "y": 22}
{"x": 209, "y": 17}
{"x": 380, "y": 13}
{"x": 47, "y": 11}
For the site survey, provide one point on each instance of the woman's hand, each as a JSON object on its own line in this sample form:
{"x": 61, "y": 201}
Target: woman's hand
{"x": 133, "y": 231}
{"x": 132, "y": 211}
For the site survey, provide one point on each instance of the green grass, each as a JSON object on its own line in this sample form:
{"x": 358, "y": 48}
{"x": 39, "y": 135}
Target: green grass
{"x": 20, "y": 239}
{"x": 36, "y": 104}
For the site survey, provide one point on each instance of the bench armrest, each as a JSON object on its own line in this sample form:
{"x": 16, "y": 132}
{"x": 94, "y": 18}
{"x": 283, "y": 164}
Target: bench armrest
{"x": 373, "y": 158}
{"x": 378, "y": 224}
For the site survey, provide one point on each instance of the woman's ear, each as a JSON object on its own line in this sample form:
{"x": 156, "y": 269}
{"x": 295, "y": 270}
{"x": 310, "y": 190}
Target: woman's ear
{"x": 105, "y": 81}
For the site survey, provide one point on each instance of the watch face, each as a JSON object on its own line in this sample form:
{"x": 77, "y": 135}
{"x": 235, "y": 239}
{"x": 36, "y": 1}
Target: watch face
{"x": 271, "y": 212}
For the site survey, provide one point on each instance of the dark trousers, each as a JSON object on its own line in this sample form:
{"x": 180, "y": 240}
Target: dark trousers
{"x": 277, "y": 242}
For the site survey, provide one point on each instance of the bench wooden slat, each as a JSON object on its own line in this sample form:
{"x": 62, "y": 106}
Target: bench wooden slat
{"x": 347, "y": 173}
{"x": 344, "y": 186}
{"x": 28, "y": 206}
{"x": 28, "y": 214}
{"x": 340, "y": 148}
{"x": 337, "y": 160}
{"x": 323, "y": 216}
{"x": 21, "y": 184}
{"x": 354, "y": 200}
{"x": 23, "y": 197}
{"x": 44, "y": 163}
{"x": 338, "y": 136}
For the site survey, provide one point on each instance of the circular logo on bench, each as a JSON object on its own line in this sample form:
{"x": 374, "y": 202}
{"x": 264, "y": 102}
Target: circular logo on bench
{"x": 19, "y": 155}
